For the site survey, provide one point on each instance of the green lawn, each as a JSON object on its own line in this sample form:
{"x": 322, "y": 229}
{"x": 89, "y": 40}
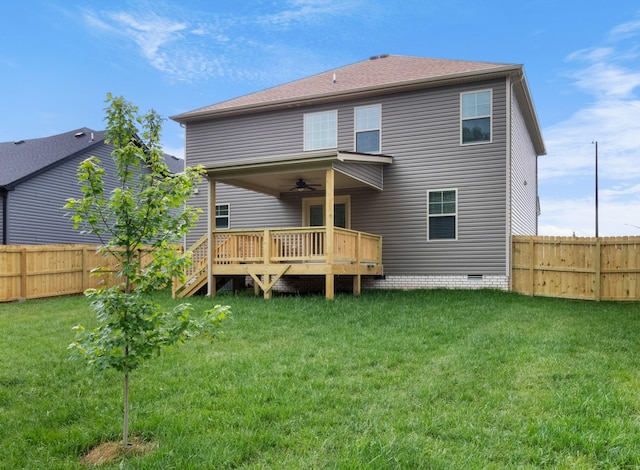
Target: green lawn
{"x": 422, "y": 379}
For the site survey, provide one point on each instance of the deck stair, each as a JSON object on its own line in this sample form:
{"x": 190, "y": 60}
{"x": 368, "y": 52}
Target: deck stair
{"x": 196, "y": 276}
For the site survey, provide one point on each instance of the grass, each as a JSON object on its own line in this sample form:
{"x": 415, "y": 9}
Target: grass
{"x": 425, "y": 379}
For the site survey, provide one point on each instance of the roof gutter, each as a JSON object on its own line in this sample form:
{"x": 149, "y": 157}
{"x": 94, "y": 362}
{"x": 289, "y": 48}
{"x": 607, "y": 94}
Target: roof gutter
{"x": 298, "y": 161}
{"x": 521, "y": 87}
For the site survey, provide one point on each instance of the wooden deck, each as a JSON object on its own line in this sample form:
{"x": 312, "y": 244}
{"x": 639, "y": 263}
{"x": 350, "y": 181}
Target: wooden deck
{"x": 268, "y": 254}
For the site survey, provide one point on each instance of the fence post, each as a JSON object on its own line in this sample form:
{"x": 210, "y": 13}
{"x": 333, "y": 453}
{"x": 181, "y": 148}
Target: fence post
{"x": 84, "y": 269}
{"x": 531, "y": 266}
{"x": 23, "y": 273}
{"x": 598, "y": 269}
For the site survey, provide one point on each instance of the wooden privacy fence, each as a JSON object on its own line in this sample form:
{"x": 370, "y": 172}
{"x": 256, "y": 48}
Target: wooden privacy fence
{"x": 35, "y": 271}
{"x": 579, "y": 268}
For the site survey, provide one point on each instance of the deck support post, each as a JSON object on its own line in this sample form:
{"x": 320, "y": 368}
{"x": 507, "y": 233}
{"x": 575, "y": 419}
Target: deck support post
{"x": 357, "y": 279}
{"x": 329, "y": 222}
{"x": 357, "y": 284}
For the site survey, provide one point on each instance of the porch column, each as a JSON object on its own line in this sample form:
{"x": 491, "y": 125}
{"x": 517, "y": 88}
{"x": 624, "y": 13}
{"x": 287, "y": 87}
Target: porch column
{"x": 211, "y": 225}
{"x": 329, "y": 221}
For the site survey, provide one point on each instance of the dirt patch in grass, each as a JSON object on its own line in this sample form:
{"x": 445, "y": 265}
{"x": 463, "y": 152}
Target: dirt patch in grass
{"x": 111, "y": 452}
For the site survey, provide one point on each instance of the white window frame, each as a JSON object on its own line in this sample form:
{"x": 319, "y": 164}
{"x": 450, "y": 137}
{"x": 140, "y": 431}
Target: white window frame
{"x": 307, "y": 202}
{"x": 309, "y": 141}
{"x": 454, "y": 214}
{"x": 477, "y": 116}
{"x": 357, "y": 130}
{"x": 228, "y": 216}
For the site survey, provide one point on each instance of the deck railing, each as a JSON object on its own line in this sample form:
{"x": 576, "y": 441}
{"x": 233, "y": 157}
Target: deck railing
{"x": 261, "y": 247}
{"x": 197, "y": 273}
{"x": 304, "y": 244}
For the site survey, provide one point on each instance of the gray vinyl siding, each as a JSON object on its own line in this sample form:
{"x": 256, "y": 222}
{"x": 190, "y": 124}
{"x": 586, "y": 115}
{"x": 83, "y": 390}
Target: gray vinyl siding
{"x": 244, "y": 138}
{"x": 35, "y": 206}
{"x": 199, "y": 200}
{"x": 2, "y": 203}
{"x": 247, "y": 209}
{"x": 369, "y": 173}
{"x": 421, "y": 130}
{"x": 524, "y": 219}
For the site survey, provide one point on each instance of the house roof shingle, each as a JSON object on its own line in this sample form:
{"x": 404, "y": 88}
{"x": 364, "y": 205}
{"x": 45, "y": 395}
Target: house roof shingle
{"x": 175, "y": 164}
{"x": 375, "y": 73}
{"x": 23, "y": 159}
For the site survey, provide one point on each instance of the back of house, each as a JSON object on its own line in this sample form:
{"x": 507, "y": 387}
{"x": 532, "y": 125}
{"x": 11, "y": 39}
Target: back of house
{"x": 438, "y": 157}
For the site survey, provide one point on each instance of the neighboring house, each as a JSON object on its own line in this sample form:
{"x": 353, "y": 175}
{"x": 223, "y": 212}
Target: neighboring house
{"x": 436, "y": 158}
{"x": 37, "y": 176}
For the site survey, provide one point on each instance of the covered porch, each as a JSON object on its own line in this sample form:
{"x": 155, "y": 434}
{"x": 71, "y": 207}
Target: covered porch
{"x": 312, "y": 249}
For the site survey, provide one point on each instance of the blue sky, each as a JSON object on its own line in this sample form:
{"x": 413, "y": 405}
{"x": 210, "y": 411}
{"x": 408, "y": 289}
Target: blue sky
{"x": 58, "y": 60}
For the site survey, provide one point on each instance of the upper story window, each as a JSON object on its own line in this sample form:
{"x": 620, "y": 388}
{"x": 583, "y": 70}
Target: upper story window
{"x": 475, "y": 117}
{"x": 442, "y": 214}
{"x": 367, "y": 129}
{"x": 222, "y": 216}
{"x": 321, "y": 130}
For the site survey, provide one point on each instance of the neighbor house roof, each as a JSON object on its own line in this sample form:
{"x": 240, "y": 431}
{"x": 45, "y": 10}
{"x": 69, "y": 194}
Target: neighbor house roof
{"x": 175, "y": 164}
{"x": 377, "y": 75}
{"x": 24, "y": 159}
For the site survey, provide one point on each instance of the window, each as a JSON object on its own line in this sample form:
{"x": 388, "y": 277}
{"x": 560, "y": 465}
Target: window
{"x": 442, "y": 208}
{"x": 320, "y": 130}
{"x": 222, "y": 216}
{"x": 475, "y": 115}
{"x": 367, "y": 128}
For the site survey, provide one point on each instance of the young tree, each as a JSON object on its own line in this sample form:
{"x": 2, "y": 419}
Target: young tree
{"x": 139, "y": 222}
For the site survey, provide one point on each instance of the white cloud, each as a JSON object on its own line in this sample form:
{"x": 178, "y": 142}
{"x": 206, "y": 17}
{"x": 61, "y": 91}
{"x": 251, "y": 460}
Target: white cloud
{"x": 190, "y": 46}
{"x": 604, "y": 79}
{"x": 592, "y": 54}
{"x": 621, "y": 190}
{"x": 615, "y": 124}
{"x": 626, "y": 30}
{"x": 611, "y": 75}
{"x": 305, "y": 11}
{"x": 568, "y": 217}
{"x": 166, "y": 44}
{"x": 150, "y": 34}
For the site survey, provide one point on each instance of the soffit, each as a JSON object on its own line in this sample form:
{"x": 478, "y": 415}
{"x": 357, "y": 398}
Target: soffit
{"x": 279, "y": 174}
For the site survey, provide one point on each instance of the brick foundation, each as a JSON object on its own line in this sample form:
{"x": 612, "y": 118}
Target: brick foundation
{"x": 432, "y": 282}
{"x": 316, "y": 284}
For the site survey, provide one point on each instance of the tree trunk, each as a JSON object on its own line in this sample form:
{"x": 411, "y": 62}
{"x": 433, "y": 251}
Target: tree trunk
{"x": 125, "y": 423}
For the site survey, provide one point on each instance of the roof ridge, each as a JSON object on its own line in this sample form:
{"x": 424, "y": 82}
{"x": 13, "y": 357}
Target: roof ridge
{"x": 53, "y": 136}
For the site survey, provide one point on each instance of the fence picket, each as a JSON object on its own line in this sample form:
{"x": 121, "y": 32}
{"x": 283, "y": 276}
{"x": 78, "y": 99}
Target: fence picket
{"x": 50, "y": 270}
{"x": 604, "y": 268}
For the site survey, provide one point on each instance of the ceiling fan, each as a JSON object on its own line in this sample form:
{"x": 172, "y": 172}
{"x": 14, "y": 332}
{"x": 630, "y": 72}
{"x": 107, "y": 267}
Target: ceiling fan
{"x": 302, "y": 185}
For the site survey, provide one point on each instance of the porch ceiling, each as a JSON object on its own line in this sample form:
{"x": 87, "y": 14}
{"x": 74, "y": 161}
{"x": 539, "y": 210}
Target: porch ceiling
{"x": 277, "y": 175}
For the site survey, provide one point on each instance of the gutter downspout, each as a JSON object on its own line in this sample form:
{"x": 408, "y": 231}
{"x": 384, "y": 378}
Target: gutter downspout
{"x": 509, "y": 188}
{"x": 509, "y": 224}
